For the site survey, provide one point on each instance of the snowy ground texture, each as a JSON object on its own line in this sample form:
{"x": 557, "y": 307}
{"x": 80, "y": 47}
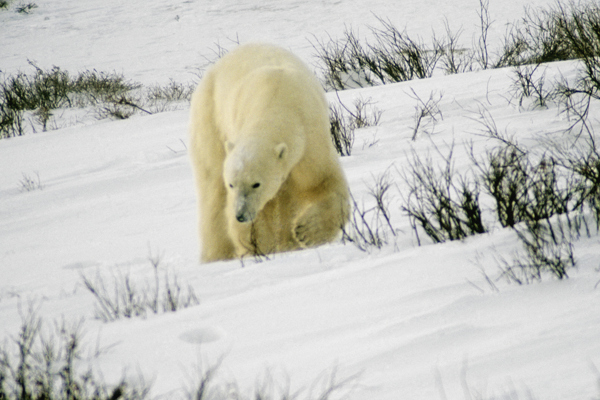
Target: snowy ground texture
{"x": 406, "y": 321}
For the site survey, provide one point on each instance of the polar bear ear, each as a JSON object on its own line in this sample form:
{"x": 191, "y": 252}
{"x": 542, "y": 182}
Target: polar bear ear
{"x": 280, "y": 150}
{"x": 229, "y": 146}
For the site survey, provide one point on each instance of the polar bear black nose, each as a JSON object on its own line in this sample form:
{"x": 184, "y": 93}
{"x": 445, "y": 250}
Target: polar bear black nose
{"x": 241, "y": 217}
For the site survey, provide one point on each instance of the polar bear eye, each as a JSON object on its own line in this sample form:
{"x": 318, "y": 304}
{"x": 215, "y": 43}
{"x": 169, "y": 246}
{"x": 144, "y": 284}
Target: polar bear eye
{"x": 256, "y": 185}
{"x": 231, "y": 186}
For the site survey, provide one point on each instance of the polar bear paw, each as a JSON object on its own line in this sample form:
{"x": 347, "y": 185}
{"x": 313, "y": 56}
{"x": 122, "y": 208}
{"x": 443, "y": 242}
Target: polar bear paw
{"x": 309, "y": 230}
{"x": 304, "y": 235}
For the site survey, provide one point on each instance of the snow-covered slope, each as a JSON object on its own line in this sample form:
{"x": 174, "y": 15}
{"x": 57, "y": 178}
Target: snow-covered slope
{"x": 407, "y": 321}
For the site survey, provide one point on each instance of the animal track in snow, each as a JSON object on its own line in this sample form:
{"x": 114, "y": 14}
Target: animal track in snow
{"x": 202, "y": 335}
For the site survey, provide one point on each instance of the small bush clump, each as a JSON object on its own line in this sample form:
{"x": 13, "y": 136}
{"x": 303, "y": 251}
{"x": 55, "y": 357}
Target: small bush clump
{"x": 110, "y": 95}
{"x": 30, "y": 183}
{"x": 394, "y": 57}
{"x": 125, "y": 299}
{"x": 26, "y": 8}
{"x": 546, "y": 248}
{"x": 370, "y": 227}
{"x": 529, "y": 84}
{"x": 45, "y": 366}
{"x": 324, "y": 387}
{"x": 174, "y": 91}
{"x": 523, "y": 191}
{"x": 344, "y": 121}
{"x": 427, "y": 114}
{"x": 45, "y": 91}
{"x": 342, "y": 132}
{"x": 587, "y": 191}
{"x": 446, "y": 208}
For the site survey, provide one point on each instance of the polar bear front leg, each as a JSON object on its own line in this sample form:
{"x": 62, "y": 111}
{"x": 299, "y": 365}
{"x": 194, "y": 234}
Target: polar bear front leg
{"x": 216, "y": 243}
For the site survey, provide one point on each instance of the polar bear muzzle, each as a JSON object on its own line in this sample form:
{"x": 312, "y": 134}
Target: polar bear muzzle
{"x": 242, "y": 214}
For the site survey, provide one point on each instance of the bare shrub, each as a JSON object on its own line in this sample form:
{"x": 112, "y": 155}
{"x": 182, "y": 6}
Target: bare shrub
{"x": 125, "y": 298}
{"x": 30, "y": 183}
{"x": 524, "y": 190}
{"x": 364, "y": 229}
{"x": 453, "y": 59}
{"x": 583, "y": 161}
{"x": 344, "y": 122}
{"x": 427, "y": 113}
{"x": 445, "y": 207}
{"x": 342, "y": 133}
{"x": 393, "y": 57}
{"x": 347, "y": 63}
{"x": 25, "y": 8}
{"x": 370, "y": 227}
{"x": 173, "y": 91}
{"x": 380, "y": 191}
{"x": 400, "y": 57}
{"x": 547, "y": 249}
{"x": 527, "y": 85}
{"x": 326, "y": 386}
{"x": 482, "y": 55}
{"x": 47, "y": 366}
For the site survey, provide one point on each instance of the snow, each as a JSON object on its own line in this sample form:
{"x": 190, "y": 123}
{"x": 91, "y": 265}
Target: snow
{"x": 406, "y": 321}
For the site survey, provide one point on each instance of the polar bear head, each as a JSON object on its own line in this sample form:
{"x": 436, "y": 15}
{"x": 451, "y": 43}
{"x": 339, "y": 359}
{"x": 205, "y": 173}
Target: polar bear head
{"x": 253, "y": 173}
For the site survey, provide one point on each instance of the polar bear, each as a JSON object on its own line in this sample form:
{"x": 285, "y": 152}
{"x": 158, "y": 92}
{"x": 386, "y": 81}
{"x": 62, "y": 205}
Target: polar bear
{"x": 267, "y": 175}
